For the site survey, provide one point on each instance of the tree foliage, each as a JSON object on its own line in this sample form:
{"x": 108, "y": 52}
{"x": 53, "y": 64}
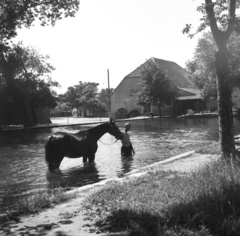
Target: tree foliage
{"x": 32, "y": 72}
{"x": 104, "y": 96}
{"x": 221, "y": 16}
{"x": 70, "y": 97}
{"x": 85, "y": 95}
{"x": 22, "y": 13}
{"x": 203, "y": 67}
{"x": 156, "y": 87}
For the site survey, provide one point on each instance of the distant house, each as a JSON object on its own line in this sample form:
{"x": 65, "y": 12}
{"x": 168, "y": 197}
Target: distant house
{"x": 123, "y": 102}
{"x": 88, "y": 112}
{"x": 84, "y": 112}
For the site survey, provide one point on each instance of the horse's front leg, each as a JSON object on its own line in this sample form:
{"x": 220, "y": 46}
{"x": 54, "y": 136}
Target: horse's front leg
{"x": 91, "y": 154}
{"x": 85, "y": 160}
{"x": 91, "y": 159}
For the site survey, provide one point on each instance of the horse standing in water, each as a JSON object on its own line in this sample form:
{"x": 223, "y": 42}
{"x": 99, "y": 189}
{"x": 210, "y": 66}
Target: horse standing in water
{"x": 81, "y": 144}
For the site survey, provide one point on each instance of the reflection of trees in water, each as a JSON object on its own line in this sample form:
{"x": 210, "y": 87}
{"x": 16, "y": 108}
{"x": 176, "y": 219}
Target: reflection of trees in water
{"x": 23, "y": 137}
{"x": 73, "y": 177}
{"x": 183, "y": 128}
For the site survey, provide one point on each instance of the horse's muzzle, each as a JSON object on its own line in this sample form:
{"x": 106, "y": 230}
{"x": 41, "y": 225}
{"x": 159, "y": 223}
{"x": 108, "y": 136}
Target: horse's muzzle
{"x": 119, "y": 137}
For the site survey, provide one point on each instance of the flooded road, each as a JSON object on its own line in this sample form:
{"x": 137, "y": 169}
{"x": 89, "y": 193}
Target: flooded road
{"x": 23, "y": 168}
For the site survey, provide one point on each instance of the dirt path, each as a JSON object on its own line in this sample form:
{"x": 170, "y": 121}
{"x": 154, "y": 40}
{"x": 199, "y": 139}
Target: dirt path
{"x": 68, "y": 219}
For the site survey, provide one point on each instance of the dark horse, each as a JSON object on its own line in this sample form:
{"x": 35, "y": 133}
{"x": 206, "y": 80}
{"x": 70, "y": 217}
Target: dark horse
{"x": 81, "y": 144}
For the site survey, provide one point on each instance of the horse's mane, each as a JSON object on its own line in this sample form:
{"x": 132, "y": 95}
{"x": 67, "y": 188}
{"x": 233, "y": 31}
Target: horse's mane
{"x": 83, "y": 131}
{"x": 97, "y": 127}
{"x": 91, "y": 130}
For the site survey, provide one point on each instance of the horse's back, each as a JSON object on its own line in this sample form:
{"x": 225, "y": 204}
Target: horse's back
{"x": 67, "y": 144}
{"x": 57, "y": 138}
{"x": 79, "y": 145}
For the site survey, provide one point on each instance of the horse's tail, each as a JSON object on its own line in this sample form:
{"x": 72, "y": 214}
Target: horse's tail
{"x": 56, "y": 147}
{"x": 48, "y": 149}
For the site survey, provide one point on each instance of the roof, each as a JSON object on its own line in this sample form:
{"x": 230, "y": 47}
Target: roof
{"x": 192, "y": 97}
{"x": 189, "y": 94}
{"x": 179, "y": 76}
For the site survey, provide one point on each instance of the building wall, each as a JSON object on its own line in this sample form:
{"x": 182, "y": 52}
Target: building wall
{"x": 165, "y": 111}
{"x": 124, "y": 96}
{"x": 43, "y": 115}
{"x": 9, "y": 115}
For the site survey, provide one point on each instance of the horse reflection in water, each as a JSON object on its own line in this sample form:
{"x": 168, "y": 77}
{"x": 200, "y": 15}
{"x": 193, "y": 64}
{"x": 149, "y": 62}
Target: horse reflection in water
{"x": 73, "y": 177}
{"x": 81, "y": 144}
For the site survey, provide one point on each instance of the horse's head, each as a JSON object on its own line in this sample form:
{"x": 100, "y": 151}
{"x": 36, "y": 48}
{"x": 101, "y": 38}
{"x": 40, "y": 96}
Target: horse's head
{"x": 114, "y": 130}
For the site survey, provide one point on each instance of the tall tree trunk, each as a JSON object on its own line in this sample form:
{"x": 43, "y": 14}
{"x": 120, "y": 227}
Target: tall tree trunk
{"x": 1, "y": 111}
{"x": 225, "y": 117}
{"x": 222, "y": 71}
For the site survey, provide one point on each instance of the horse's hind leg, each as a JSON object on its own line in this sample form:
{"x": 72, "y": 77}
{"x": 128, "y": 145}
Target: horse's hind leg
{"x": 53, "y": 159}
{"x": 56, "y": 148}
{"x": 52, "y": 165}
{"x": 58, "y": 161}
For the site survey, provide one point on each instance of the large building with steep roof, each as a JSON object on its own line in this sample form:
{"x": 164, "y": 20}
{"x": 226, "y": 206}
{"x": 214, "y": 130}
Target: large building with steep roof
{"x": 123, "y": 102}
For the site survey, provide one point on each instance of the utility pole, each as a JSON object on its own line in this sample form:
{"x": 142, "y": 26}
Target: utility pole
{"x": 109, "y": 95}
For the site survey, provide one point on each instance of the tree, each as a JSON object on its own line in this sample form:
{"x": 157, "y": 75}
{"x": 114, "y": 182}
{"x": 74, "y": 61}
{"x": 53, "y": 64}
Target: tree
{"x": 30, "y": 81}
{"x": 85, "y": 94}
{"x": 203, "y": 68}
{"x": 70, "y": 97}
{"x": 221, "y": 17}
{"x": 22, "y": 13}
{"x": 104, "y": 97}
{"x": 13, "y": 16}
{"x": 34, "y": 76}
{"x": 156, "y": 88}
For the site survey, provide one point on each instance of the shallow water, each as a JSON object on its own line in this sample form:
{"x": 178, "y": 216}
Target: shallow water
{"x": 23, "y": 168}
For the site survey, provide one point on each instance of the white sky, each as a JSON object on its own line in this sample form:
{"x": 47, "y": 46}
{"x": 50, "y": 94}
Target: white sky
{"x": 118, "y": 35}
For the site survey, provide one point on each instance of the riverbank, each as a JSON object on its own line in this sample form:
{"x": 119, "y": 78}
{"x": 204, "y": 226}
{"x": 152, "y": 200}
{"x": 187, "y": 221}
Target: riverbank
{"x": 78, "y": 121}
{"x": 70, "y": 218}
{"x": 70, "y": 121}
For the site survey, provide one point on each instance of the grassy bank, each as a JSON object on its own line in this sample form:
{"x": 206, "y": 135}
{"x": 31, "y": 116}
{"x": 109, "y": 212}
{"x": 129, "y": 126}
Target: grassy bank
{"x": 33, "y": 203}
{"x": 205, "y": 202}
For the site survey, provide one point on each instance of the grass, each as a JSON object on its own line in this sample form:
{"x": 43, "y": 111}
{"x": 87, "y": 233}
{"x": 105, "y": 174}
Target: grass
{"x": 203, "y": 203}
{"x": 34, "y": 202}
{"x": 212, "y": 149}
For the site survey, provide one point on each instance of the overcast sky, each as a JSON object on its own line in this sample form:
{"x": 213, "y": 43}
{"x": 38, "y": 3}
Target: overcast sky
{"x": 118, "y": 35}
